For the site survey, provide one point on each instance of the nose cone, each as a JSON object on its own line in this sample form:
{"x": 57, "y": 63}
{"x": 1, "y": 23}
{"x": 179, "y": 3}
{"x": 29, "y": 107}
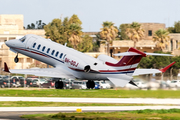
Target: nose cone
{"x": 14, "y": 43}
{"x": 9, "y": 43}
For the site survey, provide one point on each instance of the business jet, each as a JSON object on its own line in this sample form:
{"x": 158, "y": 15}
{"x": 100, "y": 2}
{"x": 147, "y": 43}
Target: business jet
{"x": 72, "y": 64}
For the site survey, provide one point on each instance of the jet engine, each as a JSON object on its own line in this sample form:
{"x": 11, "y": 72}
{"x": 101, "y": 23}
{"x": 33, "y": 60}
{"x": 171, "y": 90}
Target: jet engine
{"x": 87, "y": 68}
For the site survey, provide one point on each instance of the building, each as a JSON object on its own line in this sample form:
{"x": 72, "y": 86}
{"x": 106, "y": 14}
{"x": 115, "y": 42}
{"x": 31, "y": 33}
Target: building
{"x": 11, "y": 27}
{"x": 145, "y": 45}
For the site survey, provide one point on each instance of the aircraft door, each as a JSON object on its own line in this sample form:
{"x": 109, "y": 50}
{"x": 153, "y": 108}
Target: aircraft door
{"x": 30, "y": 42}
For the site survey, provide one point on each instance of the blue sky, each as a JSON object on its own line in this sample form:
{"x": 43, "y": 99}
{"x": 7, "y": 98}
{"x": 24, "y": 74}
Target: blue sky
{"x": 93, "y": 13}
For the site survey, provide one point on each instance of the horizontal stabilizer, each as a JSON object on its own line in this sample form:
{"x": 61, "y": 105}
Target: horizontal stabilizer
{"x": 158, "y": 54}
{"x": 126, "y": 54}
{"x": 151, "y": 71}
{"x": 129, "y": 53}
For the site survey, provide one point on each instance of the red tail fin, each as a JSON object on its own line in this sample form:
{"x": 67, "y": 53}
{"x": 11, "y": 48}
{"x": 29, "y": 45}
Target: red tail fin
{"x": 129, "y": 60}
{"x": 167, "y": 67}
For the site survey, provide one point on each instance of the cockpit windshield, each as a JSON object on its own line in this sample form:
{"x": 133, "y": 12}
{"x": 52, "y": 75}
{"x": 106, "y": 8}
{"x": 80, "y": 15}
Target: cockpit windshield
{"x": 23, "y": 39}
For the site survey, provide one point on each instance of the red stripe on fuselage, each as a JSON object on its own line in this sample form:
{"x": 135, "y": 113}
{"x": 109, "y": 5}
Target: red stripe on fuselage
{"x": 32, "y": 52}
{"x": 131, "y": 69}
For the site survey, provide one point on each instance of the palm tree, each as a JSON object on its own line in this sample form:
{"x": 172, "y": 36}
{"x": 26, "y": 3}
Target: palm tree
{"x": 74, "y": 34}
{"x": 162, "y": 38}
{"x": 109, "y": 32}
{"x": 135, "y": 32}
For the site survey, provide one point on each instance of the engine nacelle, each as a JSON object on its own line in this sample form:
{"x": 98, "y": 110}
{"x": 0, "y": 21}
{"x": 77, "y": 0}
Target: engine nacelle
{"x": 87, "y": 68}
{"x": 75, "y": 63}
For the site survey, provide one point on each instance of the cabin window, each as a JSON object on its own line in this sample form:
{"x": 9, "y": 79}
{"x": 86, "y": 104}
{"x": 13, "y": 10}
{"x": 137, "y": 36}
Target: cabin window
{"x": 43, "y": 48}
{"x": 57, "y": 54}
{"x": 61, "y": 55}
{"x": 48, "y": 50}
{"x": 34, "y": 45}
{"x": 64, "y": 56}
{"x": 53, "y": 52}
{"x": 38, "y": 47}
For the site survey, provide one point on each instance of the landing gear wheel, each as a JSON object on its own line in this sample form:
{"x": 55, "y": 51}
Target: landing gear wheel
{"x": 16, "y": 59}
{"x": 90, "y": 84}
{"x": 59, "y": 85}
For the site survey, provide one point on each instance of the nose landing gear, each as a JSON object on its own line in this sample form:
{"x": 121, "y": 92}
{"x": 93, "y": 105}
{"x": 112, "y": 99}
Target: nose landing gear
{"x": 16, "y": 59}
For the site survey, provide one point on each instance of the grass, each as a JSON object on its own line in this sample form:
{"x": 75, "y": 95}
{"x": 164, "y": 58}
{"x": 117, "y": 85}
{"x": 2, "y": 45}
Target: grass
{"x": 172, "y": 114}
{"x": 90, "y": 93}
{"x": 60, "y": 104}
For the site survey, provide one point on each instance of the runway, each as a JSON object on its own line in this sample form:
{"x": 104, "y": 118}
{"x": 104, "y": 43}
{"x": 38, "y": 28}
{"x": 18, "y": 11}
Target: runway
{"x": 14, "y": 112}
{"x": 96, "y": 100}
{"x": 83, "y": 108}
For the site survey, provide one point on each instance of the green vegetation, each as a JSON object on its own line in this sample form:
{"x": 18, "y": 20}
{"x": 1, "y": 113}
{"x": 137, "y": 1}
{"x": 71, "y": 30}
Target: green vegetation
{"x": 90, "y": 93}
{"x": 175, "y": 29}
{"x": 108, "y": 33}
{"x": 158, "y": 62}
{"x": 135, "y": 32}
{"x": 172, "y": 114}
{"x": 69, "y": 31}
{"x": 162, "y": 38}
{"x": 38, "y": 25}
{"x": 61, "y": 104}
{"x": 122, "y": 29}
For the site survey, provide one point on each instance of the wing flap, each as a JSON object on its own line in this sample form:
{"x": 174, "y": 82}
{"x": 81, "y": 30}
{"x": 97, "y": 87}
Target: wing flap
{"x": 118, "y": 82}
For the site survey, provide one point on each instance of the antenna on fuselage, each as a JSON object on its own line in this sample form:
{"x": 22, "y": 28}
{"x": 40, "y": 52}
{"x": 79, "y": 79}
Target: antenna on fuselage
{"x": 65, "y": 44}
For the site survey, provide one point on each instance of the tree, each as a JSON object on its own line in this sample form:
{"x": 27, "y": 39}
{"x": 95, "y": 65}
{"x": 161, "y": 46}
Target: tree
{"x": 171, "y": 30}
{"x": 67, "y": 31}
{"x": 74, "y": 32}
{"x": 109, "y": 32}
{"x": 74, "y": 19}
{"x": 177, "y": 27}
{"x": 162, "y": 38}
{"x": 55, "y": 30}
{"x": 39, "y": 25}
{"x": 86, "y": 45}
{"x": 122, "y": 29}
{"x": 135, "y": 32}
{"x": 31, "y": 26}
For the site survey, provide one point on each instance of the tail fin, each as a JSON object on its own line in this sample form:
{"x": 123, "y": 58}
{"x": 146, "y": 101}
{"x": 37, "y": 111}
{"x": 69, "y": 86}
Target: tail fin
{"x": 130, "y": 59}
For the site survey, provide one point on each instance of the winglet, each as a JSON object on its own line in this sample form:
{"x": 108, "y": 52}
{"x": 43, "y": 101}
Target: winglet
{"x": 167, "y": 67}
{"x": 6, "y": 69}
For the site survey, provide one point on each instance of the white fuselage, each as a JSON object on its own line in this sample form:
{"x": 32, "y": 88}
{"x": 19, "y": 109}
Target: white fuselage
{"x": 71, "y": 60}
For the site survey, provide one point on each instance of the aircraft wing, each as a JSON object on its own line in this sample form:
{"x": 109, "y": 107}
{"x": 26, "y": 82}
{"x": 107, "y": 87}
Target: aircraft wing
{"x": 151, "y": 71}
{"x": 46, "y": 72}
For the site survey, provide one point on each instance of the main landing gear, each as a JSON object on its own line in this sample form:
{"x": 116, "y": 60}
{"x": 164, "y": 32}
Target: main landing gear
{"x": 90, "y": 84}
{"x": 16, "y": 59}
{"x": 59, "y": 85}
